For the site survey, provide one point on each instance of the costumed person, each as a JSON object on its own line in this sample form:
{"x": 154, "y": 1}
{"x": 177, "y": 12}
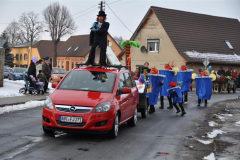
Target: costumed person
{"x": 184, "y": 75}
{"x": 98, "y": 37}
{"x": 47, "y": 72}
{"x": 157, "y": 81}
{"x": 170, "y": 76}
{"x": 203, "y": 87}
{"x": 176, "y": 94}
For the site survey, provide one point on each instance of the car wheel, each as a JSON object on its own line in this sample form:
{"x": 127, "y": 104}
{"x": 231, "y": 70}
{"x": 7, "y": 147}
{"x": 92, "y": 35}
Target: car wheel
{"x": 34, "y": 92}
{"x": 22, "y": 90}
{"x": 113, "y": 133}
{"x": 133, "y": 121}
{"x": 46, "y": 131}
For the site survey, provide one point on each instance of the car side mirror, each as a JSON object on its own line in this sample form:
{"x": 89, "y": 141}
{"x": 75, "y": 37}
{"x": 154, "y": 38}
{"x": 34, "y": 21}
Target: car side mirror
{"x": 126, "y": 90}
{"x": 54, "y": 84}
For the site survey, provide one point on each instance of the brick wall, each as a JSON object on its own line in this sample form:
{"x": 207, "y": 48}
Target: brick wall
{"x": 2, "y": 59}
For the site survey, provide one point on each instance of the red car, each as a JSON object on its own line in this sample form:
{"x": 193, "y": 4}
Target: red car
{"x": 92, "y": 100}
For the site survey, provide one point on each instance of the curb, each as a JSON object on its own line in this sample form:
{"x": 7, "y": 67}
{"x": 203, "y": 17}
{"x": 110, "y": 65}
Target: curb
{"x": 4, "y": 105}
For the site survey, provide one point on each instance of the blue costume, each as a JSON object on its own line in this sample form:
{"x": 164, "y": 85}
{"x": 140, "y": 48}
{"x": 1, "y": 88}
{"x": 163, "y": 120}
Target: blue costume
{"x": 163, "y": 92}
{"x": 185, "y": 77}
{"x": 203, "y": 89}
{"x": 176, "y": 94}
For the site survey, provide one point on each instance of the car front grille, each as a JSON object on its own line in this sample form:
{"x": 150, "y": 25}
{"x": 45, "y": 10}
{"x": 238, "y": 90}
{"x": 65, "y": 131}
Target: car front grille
{"x": 77, "y": 109}
{"x": 67, "y": 124}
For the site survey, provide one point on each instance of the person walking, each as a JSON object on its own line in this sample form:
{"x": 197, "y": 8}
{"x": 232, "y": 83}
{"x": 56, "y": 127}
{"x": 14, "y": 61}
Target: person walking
{"x": 47, "y": 72}
{"x": 176, "y": 94}
{"x": 98, "y": 37}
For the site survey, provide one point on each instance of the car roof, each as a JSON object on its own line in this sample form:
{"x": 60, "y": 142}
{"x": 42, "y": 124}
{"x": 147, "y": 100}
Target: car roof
{"x": 110, "y": 69}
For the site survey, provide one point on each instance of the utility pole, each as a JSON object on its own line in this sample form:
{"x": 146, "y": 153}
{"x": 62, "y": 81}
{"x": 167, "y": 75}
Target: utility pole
{"x": 102, "y": 5}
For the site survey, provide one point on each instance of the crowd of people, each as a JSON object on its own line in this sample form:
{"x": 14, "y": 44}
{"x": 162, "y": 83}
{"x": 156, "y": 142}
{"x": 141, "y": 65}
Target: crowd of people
{"x": 40, "y": 72}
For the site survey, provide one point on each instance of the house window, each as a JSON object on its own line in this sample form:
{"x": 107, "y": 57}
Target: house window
{"x": 25, "y": 57}
{"x": 72, "y": 65}
{"x": 229, "y": 44}
{"x": 58, "y": 64}
{"x": 17, "y": 57}
{"x": 153, "y": 45}
{"x": 62, "y": 64}
{"x": 20, "y": 57}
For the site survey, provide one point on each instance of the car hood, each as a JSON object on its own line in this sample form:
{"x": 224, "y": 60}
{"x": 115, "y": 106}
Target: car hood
{"x": 79, "y": 98}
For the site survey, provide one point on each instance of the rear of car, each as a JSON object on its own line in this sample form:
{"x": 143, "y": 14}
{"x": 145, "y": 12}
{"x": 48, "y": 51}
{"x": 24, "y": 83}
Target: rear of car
{"x": 17, "y": 73}
{"x": 58, "y": 74}
{"x": 6, "y": 72}
{"x": 89, "y": 100}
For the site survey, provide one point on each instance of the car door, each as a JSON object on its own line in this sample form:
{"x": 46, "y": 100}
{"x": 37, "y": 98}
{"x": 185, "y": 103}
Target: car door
{"x": 130, "y": 97}
{"x": 122, "y": 98}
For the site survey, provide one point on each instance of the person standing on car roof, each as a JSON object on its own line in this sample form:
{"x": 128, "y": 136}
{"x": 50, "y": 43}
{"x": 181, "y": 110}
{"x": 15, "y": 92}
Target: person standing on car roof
{"x": 47, "y": 72}
{"x": 98, "y": 37}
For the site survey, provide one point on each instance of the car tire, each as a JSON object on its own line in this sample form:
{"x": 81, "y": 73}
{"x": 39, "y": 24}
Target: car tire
{"x": 113, "y": 133}
{"x": 133, "y": 121}
{"x": 46, "y": 131}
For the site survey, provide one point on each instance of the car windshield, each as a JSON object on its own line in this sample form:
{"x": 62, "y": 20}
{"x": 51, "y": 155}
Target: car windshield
{"x": 59, "y": 71}
{"x": 19, "y": 70}
{"x": 89, "y": 81}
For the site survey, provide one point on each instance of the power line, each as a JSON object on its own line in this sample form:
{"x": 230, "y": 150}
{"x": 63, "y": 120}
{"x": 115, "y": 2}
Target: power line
{"x": 119, "y": 18}
{"x": 85, "y": 10}
{"x": 124, "y": 3}
{"x": 114, "y": 2}
{"x": 85, "y": 14}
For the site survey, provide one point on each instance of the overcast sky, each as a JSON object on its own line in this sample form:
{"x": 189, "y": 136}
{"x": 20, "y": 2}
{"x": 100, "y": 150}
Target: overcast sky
{"x": 130, "y": 12}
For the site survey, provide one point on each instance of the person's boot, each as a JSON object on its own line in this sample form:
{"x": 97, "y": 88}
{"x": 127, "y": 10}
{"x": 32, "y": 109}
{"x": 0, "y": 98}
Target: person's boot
{"x": 199, "y": 102}
{"x": 151, "y": 109}
{"x": 162, "y": 103}
{"x": 183, "y": 113}
{"x": 205, "y": 103}
{"x": 161, "y": 107}
{"x": 178, "y": 111}
{"x": 170, "y": 107}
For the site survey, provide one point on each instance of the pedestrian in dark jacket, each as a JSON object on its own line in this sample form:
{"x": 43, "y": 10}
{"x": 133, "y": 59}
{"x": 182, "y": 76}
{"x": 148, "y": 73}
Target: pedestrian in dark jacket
{"x": 98, "y": 37}
{"x": 32, "y": 67}
{"x": 47, "y": 72}
{"x": 221, "y": 72}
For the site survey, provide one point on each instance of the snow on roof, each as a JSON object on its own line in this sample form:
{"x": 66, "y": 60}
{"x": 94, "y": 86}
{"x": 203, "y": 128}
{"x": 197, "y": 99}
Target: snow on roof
{"x": 230, "y": 58}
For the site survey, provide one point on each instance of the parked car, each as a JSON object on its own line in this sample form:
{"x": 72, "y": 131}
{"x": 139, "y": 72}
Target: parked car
{"x": 58, "y": 74}
{"x": 16, "y": 73}
{"x": 6, "y": 72}
{"x": 92, "y": 100}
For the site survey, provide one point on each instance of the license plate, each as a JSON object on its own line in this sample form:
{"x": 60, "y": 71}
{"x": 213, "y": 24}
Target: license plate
{"x": 70, "y": 119}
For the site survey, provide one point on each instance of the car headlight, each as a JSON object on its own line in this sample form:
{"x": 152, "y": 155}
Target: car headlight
{"x": 102, "y": 107}
{"x": 55, "y": 76}
{"x": 48, "y": 103}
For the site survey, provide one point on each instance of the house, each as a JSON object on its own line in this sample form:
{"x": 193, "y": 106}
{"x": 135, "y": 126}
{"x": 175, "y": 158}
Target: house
{"x": 70, "y": 52}
{"x": 168, "y": 35}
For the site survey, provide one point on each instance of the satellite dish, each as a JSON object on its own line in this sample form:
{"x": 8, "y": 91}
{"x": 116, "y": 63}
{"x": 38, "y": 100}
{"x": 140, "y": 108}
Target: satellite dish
{"x": 143, "y": 49}
{"x": 110, "y": 44}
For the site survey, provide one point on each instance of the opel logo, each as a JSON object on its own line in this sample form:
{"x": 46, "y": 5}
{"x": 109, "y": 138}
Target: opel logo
{"x": 72, "y": 109}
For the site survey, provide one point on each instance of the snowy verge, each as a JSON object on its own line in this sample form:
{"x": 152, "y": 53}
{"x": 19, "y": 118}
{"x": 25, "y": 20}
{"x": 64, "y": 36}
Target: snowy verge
{"x": 27, "y": 105}
{"x": 214, "y": 133}
{"x": 11, "y": 88}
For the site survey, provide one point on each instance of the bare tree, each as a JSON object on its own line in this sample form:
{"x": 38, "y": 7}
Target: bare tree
{"x": 12, "y": 33}
{"x": 31, "y": 27}
{"x": 118, "y": 40}
{"x": 60, "y": 23}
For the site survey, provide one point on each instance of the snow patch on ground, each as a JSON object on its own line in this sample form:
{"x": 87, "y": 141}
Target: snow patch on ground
{"x": 214, "y": 133}
{"x": 205, "y": 142}
{"x": 11, "y": 88}
{"x": 212, "y": 124}
{"x": 219, "y": 117}
{"x": 230, "y": 58}
{"x": 210, "y": 157}
{"x": 229, "y": 115}
{"x": 27, "y": 105}
{"x": 238, "y": 123}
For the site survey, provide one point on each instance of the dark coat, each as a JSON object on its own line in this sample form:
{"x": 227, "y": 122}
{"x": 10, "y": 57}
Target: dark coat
{"x": 100, "y": 36}
{"x": 46, "y": 70}
{"x": 32, "y": 70}
{"x": 42, "y": 78}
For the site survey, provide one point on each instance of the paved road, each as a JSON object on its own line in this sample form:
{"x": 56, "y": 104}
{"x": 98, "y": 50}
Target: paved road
{"x": 22, "y": 138}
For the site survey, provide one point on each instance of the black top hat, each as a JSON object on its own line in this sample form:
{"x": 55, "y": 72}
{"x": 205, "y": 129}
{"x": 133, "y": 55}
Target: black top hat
{"x": 101, "y": 13}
